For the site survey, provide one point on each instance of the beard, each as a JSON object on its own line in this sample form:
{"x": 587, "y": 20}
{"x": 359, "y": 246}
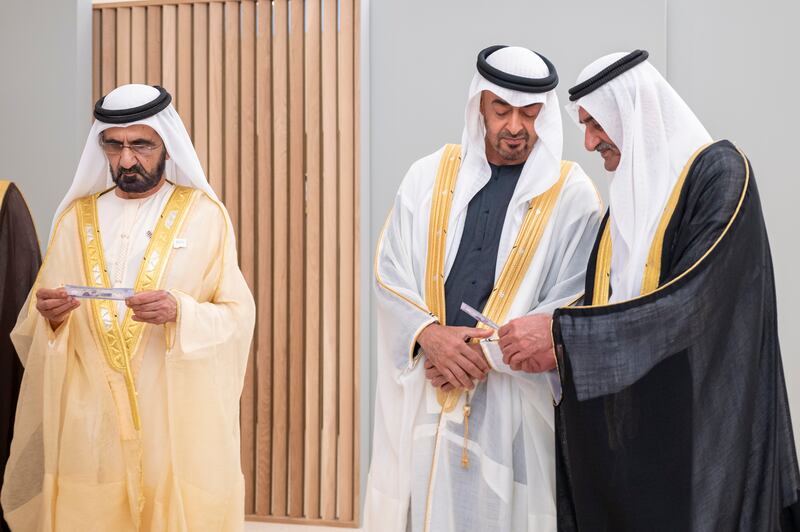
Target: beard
{"x": 140, "y": 179}
{"x": 513, "y": 154}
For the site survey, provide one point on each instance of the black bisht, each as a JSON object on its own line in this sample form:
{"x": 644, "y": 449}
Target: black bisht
{"x": 20, "y": 259}
{"x": 675, "y": 415}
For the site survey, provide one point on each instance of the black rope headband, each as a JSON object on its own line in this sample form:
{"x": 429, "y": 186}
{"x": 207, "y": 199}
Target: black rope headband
{"x": 607, "y": 74}
{"x": 122, "y": 116}
{"x": 517, "y": 83}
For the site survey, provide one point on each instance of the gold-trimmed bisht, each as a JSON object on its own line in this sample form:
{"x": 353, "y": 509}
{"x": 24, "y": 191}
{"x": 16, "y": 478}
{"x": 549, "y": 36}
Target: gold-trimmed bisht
{"x": 120, "y": 342}
{"x": 530, "y": 234}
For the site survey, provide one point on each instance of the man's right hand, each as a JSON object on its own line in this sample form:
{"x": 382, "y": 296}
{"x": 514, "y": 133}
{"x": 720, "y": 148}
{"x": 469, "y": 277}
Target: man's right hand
{"x": 447, "y": 349}
{"x": 55, "y": 305}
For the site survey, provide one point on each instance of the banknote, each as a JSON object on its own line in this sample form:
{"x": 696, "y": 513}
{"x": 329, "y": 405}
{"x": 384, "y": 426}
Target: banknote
{"x": 91, "y": 292}
{"x": 478, "y": 316}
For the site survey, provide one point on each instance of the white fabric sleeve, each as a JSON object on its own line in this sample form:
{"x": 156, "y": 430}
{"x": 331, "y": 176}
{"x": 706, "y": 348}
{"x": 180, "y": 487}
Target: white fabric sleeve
{"x": 401, "y": 309}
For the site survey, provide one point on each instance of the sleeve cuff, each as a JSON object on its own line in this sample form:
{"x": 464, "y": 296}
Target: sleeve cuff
{"x": 415, "y": 351}
{"x": 171, "y": 328}
{"x": 556, "y": 377}
{"x": 57, "y": 336}
{"x": 491, "y": 351}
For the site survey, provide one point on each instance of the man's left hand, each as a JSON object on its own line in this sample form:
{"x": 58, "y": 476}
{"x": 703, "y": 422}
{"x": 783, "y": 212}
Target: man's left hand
{"x": 435, "y": 376}
{"x": 527, "y": 343}
{"x": 440, "y": 381}
{"x": 153, "y": 306}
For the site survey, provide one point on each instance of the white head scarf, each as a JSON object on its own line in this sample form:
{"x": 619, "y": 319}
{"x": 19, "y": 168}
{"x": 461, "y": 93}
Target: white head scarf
{"x": 656, "y": 133}
{"x": 182, "y": 168}
{"x": 541, "y": 170}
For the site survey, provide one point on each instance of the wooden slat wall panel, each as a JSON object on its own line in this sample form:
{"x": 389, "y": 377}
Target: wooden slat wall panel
{"x": 123, "y": 46}
{"x": 330, "y": 295}
{"x": 138, "y": 45}
{"x": 109, "y": 50}
{"x": 313, "y": 285}
{"x": 356, "y": 258}
{"x": 280, "y": 261}
{"x": 169, "y": 48}
{"x": 153, "y": 45}
{"x": 200, "y": 82}
{"x": 247, "y": 259}
{"x": 268, "y": 90}
{"x": 264, "y": 331}
{"x": 330, "y": 299}
{"x": 231, "y": 81}
{"x": 346, "y": 260}
{"x": 216, "y": 146}
{"x": 296, "y": 258}
{"x": 183, "y": 97}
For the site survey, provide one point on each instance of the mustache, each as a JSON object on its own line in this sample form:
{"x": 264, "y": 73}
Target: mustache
{"x": 141, "y": 179}
{"x": 603, "y": 146}
{"x": 506, "y": 135}
{"x": 135, "y": 169}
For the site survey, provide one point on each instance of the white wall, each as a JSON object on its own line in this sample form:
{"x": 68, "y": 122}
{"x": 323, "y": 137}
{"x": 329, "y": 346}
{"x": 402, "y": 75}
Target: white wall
{"x": 45, "y": 98}
{"x": 733, "y": 61}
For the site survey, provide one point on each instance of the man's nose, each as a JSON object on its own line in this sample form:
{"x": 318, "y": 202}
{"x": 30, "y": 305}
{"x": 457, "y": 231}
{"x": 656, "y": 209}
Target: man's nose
{"x": 126, "y": 158}
{"x": 590, "y": 141}
{"x": 515, "y": 124}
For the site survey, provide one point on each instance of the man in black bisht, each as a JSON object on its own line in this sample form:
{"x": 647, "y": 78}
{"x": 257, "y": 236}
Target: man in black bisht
{"x": 20, "y": 259}
{"x": 674, "y": 414}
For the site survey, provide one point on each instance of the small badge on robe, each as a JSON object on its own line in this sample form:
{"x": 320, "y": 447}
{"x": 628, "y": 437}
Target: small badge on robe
{"x": 179, "y": 243}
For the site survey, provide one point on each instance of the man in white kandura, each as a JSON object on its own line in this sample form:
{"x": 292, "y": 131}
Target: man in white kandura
{"x": 462, "y": 442}
{"x": 128, "y": 418}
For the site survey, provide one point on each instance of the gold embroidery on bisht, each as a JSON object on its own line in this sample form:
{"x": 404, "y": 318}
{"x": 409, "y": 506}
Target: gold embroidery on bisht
{"x": 120, "y": 342}
{"x": 528, "y": 238}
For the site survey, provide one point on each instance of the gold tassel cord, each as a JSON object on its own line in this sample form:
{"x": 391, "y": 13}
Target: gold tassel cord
{"x": 464, "y": 451}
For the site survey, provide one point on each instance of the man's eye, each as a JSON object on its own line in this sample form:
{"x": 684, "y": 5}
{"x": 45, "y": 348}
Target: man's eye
{"x": 502, "y": 113}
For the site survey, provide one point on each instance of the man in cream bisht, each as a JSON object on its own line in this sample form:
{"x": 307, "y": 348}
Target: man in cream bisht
{"x": 674, "y": 414}
{"x": 128, "y": 416}
{"x": 502, "y": 224}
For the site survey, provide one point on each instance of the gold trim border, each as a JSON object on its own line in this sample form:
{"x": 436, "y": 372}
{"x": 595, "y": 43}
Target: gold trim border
{"x": 120, "y": 343}
{"x": 516, "y": 266}
{"x": 698, "y": 261}
{"x": 3, "y": 189}
{"x": 441, "y": 204}
{"x": 652, "y": 268}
